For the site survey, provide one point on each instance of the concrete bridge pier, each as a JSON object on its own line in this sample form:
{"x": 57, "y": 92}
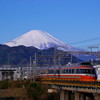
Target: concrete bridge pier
{"x": 77, "y": 96}
{"x": 82, "y": 96}
{"x": 89, "y": 96}
{"x": 97, "y": 97}
{"x": 64, "y": 95}
{"x": 68, "y": 95}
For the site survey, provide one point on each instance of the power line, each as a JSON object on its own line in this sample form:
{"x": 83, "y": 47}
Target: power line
{"x": 78, "y": 42}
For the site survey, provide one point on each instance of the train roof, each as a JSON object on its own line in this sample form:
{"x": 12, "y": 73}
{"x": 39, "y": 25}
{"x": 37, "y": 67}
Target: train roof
{"x": 68, "y": 66}
{"x": 57, "y": 67}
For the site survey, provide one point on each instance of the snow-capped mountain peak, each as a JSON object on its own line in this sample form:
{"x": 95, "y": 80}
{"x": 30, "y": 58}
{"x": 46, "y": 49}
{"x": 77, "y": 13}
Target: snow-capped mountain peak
{"x": 38, "y": 39}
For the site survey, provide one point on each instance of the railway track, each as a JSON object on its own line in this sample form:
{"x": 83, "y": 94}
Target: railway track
{"x": 72, "y": 83}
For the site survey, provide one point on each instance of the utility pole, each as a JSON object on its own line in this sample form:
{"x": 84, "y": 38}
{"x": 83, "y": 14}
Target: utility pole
{"x": 71, "y": 58}
{"x": 59, "y": 59}
{"x": 30, "y": 67}
{"x": 34, "y": 67}
{"x": 55, "y": 62}
{"x": 92, "y": 47}
{"x": 8, "y": 58}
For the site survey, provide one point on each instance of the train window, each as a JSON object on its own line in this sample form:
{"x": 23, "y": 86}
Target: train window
{"x": 66, "y": 70}
{"x": 48, "y": 71}
{"x": 63, "y": 71}
{"x": 93, "y": 71}
{"x": 70, "y": 70}
{"x": 51, "y": 71}
{"x": 79, "y": 71}
{"x": 58, "y": 71}
{"x": 87, "y": 71}
{"x": 84, "y": 71}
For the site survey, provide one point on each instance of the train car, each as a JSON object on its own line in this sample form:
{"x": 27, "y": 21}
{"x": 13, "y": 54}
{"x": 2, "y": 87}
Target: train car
{"x": 82, "y": 72}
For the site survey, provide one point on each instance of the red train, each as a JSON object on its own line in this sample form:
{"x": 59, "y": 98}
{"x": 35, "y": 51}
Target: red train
{"x": 82, "y": 72}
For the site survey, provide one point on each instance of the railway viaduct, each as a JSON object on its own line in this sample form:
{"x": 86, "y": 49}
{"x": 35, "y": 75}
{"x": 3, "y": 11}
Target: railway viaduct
{"x": 74, "y": 90}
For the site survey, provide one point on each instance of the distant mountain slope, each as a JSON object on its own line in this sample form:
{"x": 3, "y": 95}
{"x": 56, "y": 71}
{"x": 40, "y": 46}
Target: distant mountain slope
{"x": 21, "y": 55}
{"x": 16, "y": 55}
{"x": 38, "y": 39}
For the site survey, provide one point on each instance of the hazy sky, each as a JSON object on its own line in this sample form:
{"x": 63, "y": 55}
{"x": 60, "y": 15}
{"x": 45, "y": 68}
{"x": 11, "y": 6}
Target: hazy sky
{"x": 68, "y": 20}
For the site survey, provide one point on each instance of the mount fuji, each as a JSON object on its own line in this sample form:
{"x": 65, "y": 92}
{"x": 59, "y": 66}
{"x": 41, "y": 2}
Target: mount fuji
{"x": 40, "y": 40}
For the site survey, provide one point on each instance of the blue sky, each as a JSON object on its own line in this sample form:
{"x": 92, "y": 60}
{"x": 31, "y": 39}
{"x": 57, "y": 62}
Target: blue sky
{"x": 68, "y": 20}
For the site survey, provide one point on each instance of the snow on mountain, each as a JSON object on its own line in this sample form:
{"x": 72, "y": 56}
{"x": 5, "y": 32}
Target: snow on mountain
{"x": 39, "y": 39}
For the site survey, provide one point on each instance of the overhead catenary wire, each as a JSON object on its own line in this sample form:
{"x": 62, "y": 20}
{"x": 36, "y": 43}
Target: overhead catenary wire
{"x": 87, "y": 40}
{"x": 88, "y": 46}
